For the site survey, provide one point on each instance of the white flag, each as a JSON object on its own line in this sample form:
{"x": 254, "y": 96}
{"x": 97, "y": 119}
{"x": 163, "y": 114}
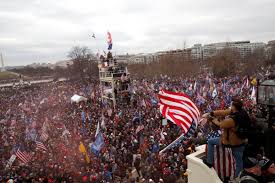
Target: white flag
{"x": 97, "y": 129}
{"x": 214, "y": 93}
{"x": 11, "y": 160}
{"x": 253, "y": 94}
{"x": 103, "y": 122}
{"x": 162, "y": 135}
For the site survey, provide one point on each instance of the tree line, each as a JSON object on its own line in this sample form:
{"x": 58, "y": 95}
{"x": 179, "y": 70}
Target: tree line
{"x": 226, "y": 62}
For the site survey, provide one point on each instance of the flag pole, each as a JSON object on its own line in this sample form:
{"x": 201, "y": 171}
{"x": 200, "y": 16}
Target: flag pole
{"x": 170, "y": 145}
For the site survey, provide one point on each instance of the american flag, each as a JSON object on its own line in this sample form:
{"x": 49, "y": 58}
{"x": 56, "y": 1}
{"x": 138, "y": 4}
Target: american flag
{"x": 224, "y": 162}
{"x": 23, "y": 156}
{"x": 178, "y": 108}
{"x": 44, "y": 136}
{"x": 40, "y": 146}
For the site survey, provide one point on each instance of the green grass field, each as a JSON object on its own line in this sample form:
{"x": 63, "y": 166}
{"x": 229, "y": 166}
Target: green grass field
{"x": 7, "y": 75}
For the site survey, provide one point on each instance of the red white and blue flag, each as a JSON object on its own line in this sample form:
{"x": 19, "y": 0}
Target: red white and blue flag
{"x": 109, "y": 40}
{"x": 178, "y": 108}
{"x": 23, "y": 156}
{"x": 224, "y": 162}
{"x": 40, "y": 146}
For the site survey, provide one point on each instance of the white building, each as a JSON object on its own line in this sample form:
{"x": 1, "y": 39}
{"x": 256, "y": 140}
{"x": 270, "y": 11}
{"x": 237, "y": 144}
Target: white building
{"x": 196, "y": 52}
{"x": 269, "y": 49}
{"x": 243, "y": 47}
{"x": 143, "y": 58}
{"x": 123, "y": 58}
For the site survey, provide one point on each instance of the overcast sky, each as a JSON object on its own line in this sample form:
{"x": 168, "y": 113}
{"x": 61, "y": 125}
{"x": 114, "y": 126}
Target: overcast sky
{"x": 45, "y": 30}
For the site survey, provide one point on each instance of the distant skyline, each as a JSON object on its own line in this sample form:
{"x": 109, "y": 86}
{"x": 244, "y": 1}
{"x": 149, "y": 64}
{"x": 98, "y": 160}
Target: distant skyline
{"x": 44, "y": 31}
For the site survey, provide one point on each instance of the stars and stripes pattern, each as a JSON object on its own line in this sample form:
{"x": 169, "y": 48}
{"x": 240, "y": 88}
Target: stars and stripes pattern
{"x": 224, "y": 162}
{"x": 182, "y": 138}
{"x": 40, "y": 146}
{"x": 178, "y": 108}
{"x": 23, "y": 156}
{"x": 213, "y": 134}
{"x": 44, "y": 136}
{"x": 109, "y": 40}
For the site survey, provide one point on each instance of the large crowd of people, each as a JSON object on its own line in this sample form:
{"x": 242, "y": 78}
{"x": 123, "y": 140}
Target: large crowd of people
{"x": 133, "y": 133}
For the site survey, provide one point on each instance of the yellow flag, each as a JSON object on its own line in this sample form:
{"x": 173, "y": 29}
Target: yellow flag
{"x": 254, "y": 82}
{"x": 87, "y": 159}
{"x": 82, "y": 148}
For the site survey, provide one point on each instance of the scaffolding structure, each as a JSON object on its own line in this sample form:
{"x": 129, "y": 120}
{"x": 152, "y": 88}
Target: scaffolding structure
{"x": 114, "y": 82}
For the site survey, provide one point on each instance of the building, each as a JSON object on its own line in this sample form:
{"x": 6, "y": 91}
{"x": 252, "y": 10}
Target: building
{"x": 196, "y": 52}
{"x": 143, "y": 58}
{"x": 245, "y": 48}
{"x": 270, "y": 49}
{"x": 123, "y": 58}
{"x": 179, "y": 54}
{"x": 63, "y": 64}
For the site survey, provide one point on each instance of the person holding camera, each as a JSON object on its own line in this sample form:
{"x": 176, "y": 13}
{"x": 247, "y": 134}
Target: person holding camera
{"x": 234, "y": 130}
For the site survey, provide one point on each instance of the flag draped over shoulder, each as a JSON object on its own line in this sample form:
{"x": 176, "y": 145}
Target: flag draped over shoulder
{"x": 178, "y": 108}
{"x": 224, "y": 162}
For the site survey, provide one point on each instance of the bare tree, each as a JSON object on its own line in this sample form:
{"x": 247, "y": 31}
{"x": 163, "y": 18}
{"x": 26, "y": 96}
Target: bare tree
{"x": 225, "y": 62}
{"x": 83, "y": 62}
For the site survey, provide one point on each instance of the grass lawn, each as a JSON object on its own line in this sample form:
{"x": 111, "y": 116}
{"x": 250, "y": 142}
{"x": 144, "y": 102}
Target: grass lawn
{"x": 7, "y": 75}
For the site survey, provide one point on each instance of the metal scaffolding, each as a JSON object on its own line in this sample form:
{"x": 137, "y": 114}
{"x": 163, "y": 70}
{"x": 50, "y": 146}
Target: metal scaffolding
{"x": 114, "y": 82}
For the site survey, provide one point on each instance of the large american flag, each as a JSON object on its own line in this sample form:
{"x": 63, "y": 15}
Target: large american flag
{"x": 178, "y": 108}
{"x": 23, "y": 156}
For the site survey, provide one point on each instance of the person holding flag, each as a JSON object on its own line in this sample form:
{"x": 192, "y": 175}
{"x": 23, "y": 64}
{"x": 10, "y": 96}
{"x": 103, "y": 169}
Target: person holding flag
{"x": 230, "y": 137}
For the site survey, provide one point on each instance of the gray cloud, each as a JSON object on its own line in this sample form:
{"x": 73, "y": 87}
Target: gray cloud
{"x": 44, "y": 31}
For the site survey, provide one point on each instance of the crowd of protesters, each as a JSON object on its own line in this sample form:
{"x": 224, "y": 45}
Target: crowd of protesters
{"x": 134, "y": 133}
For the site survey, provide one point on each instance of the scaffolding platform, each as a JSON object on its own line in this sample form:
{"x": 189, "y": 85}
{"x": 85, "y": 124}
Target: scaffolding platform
{"x": 114, "y": 82}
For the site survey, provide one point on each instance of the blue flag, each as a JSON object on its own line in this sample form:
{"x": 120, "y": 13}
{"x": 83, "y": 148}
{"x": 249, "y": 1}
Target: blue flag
{"x": 110, "y": 45}
{"x": 98, "y": 144}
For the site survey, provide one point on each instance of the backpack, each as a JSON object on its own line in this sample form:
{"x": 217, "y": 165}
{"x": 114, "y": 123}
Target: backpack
{"x": 243, "y": 124}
